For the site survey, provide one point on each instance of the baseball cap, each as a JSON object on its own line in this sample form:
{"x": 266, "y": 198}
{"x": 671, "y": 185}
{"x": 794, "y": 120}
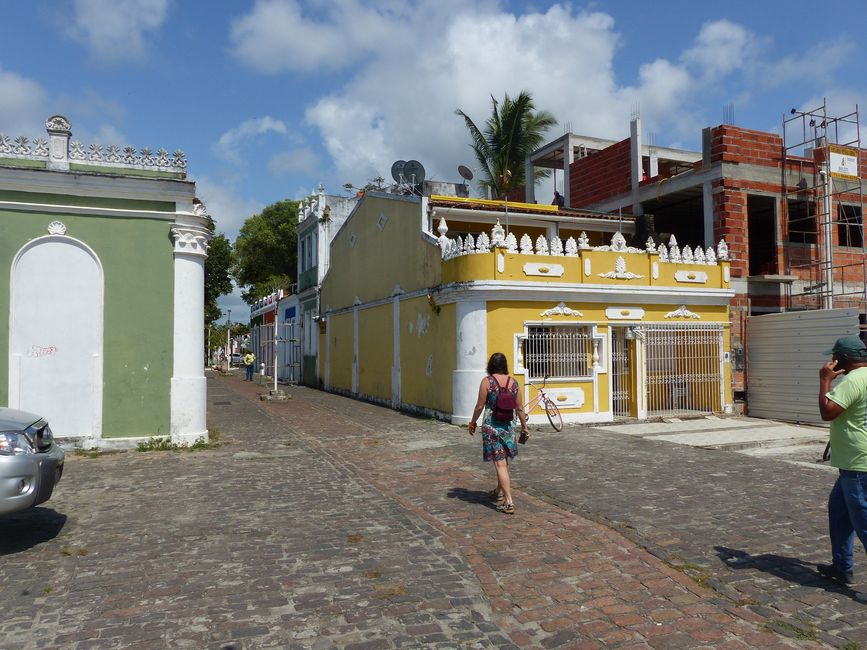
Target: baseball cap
{"x": 852, "y": 346}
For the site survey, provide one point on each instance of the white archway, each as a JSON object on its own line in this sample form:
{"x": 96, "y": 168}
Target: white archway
{"x": 56, "y": 334}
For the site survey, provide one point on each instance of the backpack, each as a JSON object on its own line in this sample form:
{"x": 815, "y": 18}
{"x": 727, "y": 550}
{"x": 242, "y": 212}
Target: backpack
{"x": 504, "y": 407}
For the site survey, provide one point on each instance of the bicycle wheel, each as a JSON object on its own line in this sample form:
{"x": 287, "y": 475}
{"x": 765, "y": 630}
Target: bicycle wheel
{"x": 554, "y": 416}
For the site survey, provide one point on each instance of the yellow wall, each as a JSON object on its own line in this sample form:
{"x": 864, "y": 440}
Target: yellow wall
{"x": 341, "y": 352}
{"x": 375, "y": 350}
{"x": 367, "y": 262}
{"x": 506, "y": 320}
{"x": 427, "y": 335}
{"x": 483, "y": 266}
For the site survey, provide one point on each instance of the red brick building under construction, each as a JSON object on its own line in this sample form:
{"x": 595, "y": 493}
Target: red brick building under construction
{"x": 788, "y": 205}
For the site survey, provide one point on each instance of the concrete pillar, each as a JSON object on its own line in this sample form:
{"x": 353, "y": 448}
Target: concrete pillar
{"x": 707, "y": 201}
{"x": 636, "y": 167}
{"x": 471, "y": 332}
{"x": 529, "y": 181}
{"x": 568, "y": 159}
{"x": 189, "y": 390}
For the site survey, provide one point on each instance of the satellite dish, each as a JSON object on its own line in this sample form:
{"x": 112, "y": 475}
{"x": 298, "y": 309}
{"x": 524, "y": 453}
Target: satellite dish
{"x": 465, "y": 172}
{"x": 397, "y": 170}
{"x": 413, "y": 172}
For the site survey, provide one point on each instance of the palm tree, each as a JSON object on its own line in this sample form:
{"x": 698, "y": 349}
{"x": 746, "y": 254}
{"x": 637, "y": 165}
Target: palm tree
{"x": 513, "y": 130}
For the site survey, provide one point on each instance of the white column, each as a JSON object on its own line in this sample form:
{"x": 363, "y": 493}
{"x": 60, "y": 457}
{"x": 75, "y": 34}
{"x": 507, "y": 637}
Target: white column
{"x": 189, "y": 390}
{"x": 471, "y": 333}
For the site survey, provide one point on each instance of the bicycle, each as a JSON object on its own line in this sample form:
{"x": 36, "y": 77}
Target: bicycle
{"x": 551, "y": 409}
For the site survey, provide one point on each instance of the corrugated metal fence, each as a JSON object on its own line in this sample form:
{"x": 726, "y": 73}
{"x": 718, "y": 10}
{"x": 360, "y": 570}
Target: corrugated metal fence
{"x": 784, "y": 354}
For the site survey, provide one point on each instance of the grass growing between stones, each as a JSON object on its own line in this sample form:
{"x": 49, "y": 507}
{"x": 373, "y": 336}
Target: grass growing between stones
{"x": 166, "y": 444}
{"x": 802, "y": 631}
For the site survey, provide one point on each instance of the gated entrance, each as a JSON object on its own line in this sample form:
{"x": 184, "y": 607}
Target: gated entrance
{"x": 683, "y": 366}
{"x": 621, "y": 373}
{"x": 667, "y": 369}
{"x": 282, "y": 351}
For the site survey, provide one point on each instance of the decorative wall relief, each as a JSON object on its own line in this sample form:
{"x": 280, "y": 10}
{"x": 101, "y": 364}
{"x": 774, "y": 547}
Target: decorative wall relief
{"x": 682, "y": 312}
{"x": 56, "y": 228}
{"x": 561, "y": 310}
{"x": 550, "y": 270}
{"x": 620, "y": 272}
{"x": 624, "y": 313}
{"x": 697, "y": 277}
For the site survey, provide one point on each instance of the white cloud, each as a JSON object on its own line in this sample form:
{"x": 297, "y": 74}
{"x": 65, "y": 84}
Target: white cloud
{"x": 23, "y": 109}
{"x": 302, "y": 160}
{"x": 114, "y": 29}
{"x": 816, "y": 64}
{"x": 720, "y": 48}
{"x": 228, "y": 209}
{"x": 228, "y": 146}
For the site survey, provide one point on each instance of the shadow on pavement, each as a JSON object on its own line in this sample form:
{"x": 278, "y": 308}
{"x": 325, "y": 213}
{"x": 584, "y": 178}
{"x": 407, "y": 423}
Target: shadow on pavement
{"x": 27, "y": 529}
{"x": 787, "y": 568}
{"x": 472, "y": 496}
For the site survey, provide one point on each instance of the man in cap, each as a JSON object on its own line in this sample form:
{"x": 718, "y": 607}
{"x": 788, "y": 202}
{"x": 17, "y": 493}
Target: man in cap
{"x": 846, "y": 407}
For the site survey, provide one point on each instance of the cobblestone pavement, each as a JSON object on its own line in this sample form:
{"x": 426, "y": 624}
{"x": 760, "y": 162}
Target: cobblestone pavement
{"x": 324, "y": 522}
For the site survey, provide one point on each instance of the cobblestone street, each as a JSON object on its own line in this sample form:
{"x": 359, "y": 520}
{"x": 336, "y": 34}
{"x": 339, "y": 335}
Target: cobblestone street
{"x": 324, "y": 522}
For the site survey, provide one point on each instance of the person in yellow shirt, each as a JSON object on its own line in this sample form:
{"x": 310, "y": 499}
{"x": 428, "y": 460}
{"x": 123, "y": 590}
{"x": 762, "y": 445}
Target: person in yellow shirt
{"x": 250, "y": 362}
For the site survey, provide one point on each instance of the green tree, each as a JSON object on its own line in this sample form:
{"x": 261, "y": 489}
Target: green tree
{"x": 265, "y": 251}
{"x": 513, "y": 130}
{"x": 217, "y": 280}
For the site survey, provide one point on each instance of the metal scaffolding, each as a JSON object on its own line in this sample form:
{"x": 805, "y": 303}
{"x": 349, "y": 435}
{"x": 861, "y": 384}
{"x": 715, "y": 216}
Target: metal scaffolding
{"x": 823, "y": 192}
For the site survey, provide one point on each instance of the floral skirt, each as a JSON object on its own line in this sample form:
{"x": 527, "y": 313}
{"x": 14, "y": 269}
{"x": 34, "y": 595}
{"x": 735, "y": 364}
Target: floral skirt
{"x": 498, "y": 440}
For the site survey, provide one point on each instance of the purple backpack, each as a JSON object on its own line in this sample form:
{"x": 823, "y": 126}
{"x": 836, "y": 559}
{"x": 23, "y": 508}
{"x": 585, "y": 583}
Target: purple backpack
{"x": 504, "y": 407}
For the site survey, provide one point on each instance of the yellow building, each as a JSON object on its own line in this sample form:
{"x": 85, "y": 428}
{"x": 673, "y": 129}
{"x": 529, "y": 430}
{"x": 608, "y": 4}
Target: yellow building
{"x": 422, "y": 290}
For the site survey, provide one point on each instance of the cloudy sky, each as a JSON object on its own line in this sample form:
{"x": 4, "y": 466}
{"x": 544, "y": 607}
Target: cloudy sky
{"x": 271, "y": 97}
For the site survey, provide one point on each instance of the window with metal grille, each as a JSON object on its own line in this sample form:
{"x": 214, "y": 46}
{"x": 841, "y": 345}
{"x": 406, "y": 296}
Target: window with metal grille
{"x": 563, "y": 352}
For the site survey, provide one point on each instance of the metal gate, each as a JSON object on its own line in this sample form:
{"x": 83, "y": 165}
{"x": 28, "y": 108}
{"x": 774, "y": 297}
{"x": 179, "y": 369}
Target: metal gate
{"x": 621, "y": 373}
{"x": 284, "y": 351}
{"x": 784, "y": 354}
{"x": 683, "y": 366}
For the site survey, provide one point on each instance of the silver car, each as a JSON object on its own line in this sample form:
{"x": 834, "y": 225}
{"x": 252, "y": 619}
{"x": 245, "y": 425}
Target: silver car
{"x": 31, "y": 463}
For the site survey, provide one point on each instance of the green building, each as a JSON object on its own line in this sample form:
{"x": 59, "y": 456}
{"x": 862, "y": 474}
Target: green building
{"x": 104, "y": 250}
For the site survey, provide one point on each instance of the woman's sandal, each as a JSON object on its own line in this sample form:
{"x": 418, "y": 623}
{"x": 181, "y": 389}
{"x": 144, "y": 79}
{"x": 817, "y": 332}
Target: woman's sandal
{"x": 506, "y": 508}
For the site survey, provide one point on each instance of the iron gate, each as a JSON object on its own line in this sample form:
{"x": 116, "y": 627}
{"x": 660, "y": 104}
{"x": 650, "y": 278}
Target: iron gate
{"x": 285, "y": 350}
{"x": 621, "y": 374}
{"x": 683, "y": 368}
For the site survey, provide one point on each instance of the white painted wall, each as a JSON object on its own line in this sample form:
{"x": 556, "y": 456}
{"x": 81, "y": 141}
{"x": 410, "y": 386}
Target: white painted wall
{"x": 56, "y": 335}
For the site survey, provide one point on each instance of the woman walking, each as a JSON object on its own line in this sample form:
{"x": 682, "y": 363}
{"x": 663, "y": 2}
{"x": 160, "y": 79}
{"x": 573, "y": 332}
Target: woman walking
{"x": 498, "y": 432}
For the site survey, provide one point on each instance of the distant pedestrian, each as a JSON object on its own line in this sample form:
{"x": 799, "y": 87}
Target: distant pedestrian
{"x": 846, "y": 407}
{"x": 250, "y": 362}
{"x": 559, "y": 201}
{"x": 498, "y": 430}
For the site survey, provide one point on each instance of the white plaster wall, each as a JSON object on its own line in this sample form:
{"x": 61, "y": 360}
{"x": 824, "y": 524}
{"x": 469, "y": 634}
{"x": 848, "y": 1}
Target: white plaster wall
{"x": 471, "y": 323}
{"x": 56, "y": 335}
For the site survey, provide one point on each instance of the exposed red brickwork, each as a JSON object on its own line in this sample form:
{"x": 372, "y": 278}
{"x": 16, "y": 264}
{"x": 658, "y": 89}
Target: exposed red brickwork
{"x": 735, "y": 144}
{"x": 600, "y": 175}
